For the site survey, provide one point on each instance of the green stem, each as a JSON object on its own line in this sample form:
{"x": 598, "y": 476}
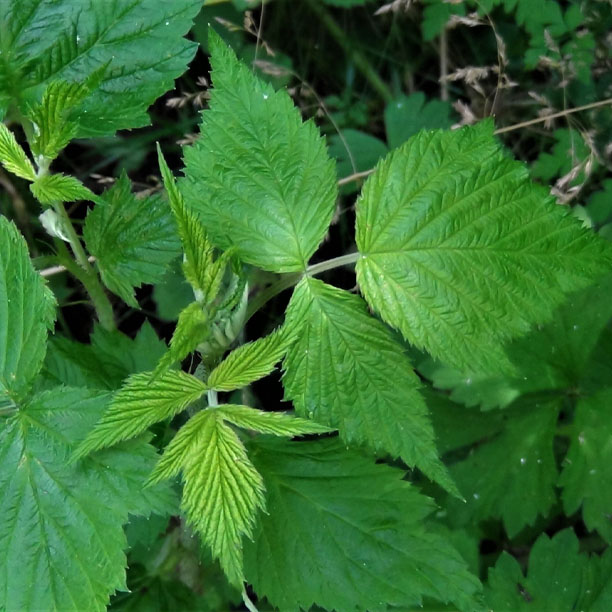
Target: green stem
{"x": 290, "y": 280}
{"x": 85, "y": 272}
{"x": 360, "y": 61}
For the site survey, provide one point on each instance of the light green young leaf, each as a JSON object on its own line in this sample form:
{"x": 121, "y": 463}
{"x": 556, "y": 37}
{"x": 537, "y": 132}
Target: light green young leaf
{"x": 346, "y": 370}
{"x": 222, "y": 490}
{"x": 192, "y": 328}
{"x": 61, "y": 531}
{"x": 275, "y": 423}
{"x": 51, "y": 188}
{"x": 259, "y": 178}
{"x": 140, "y": 43}
{"x": 13, "y": 157}
{"x": 27, "y": 311}
{"x": 461, "y": 252}
{"x": 249, "y": 362}
{"x": 557, "y": 579}
{"x": 326, "y": 508}
{"x": 510, "y": 475}
{"x": 140, "y": 403}
{"x": 54, "y": 122}
{"x": 586, "y": 478}
{"x": 133, "y": 239}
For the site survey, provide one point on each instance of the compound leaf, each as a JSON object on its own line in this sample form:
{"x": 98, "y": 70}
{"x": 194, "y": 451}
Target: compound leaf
{"x": 141, "y": 402}
{"x": 26, "y": 313}
{"x": 346, "y": 370}
{"x": 356, "y": 528}
{"x": 13, "y": 157}
{"x": 133, "y": 239}
{"x": 461, "y": 252}
{"x": 222, "y": 490}
{"x": 259, "y": 178}
{"x": 61, "y": 531}
{"x": 139, "y": 44}
{"x": 586, "y": 478}
{"x": 248, "y": 363}
{"x": 275, "y": 423}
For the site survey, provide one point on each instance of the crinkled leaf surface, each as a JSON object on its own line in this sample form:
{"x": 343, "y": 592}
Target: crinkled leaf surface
{"x": 586, "y": 477}
{"x": 61, "y": 531}
{"x": 26, "y": 313}
{"x": 222, "y": 490}
{"x": 461, "y": 252}
{"x": 346, "y": 370}
{"x": 133, "y": 239}
{"x": 558, "y": 578}
{"x": 139, "y": 41}
{"x": 512, "y": 474}
{"x": 141, "y": 402}
{"x": 345, "y": 533}
{"x": 259, "y": 178}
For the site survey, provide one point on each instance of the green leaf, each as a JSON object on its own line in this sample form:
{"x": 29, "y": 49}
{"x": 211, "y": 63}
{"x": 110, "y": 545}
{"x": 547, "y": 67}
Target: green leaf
{"x": 13, "y": 157}
{"x": 461, "y": 252}
{"x": 555, "y": 356}
{"x": 249, "y": 363}
{"x": 140, "y": 403}
{"x": 105, "y": 362}
{"x": 259, "y": 178}
{"x": 346, "y": 370}
{"x": 27, "y": 311}
{"x": 192, "y": 328}
{"x": 133, "y": 239}
{"x": 61, "y": 533}
{"x": 510, "y": 475}
{"x": 586, "y": 478}
{"x": 51, "y": 188}
{"x": 345, "y": 533}
{"x": 275, "y": 423}
{"x": 198, "y": 262}
{"x": 555, "y": 579}
{"x": 222, "y": 490}
{"x": 407, "y": 115}
{"x": 139, "y": 43}
{"x": 54, "y": 123}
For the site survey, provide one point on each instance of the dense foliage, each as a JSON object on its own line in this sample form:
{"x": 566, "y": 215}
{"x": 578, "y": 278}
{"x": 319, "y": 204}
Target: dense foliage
{"x": 433, "y": 431}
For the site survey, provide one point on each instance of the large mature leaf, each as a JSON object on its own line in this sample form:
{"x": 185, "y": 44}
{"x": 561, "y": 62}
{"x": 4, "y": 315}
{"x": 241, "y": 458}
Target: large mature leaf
{"x": 61, "y": 531}
{"x": 26, "y": 313}
{"x": 346, "y": 370}
{"x": 558, "y": 578}
{"x": 133, "y": 239}
{"x": 259, "y": 178}
{"x": 586, "y": 477}
{"x": 554, "y": 357}
{"x": 461, "y": 252}
{"x": 222, "y": 490}
{"x": 346, "y": 534}
{"x": 139, "y": 42}
{"x": 105, "y": 362}
{"x": 249, "y": 363}
{"x": 511, "y": 474}
{"x": 140, "y": 403}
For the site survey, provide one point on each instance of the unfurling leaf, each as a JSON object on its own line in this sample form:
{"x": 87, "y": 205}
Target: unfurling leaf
{"x": 51, "y": 188}
{"x": 13, "y": 157}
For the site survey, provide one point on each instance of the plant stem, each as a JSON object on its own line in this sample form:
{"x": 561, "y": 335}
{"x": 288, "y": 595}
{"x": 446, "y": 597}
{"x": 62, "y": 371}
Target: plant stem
{"x": 360, "y": 61}
{"x": 291, "y": 280}
{"x": 87, "y": 275}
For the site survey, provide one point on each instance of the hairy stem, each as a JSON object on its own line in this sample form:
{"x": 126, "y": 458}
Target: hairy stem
{"x": 86, "y": 273}
{"x": 290, "y": 280}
